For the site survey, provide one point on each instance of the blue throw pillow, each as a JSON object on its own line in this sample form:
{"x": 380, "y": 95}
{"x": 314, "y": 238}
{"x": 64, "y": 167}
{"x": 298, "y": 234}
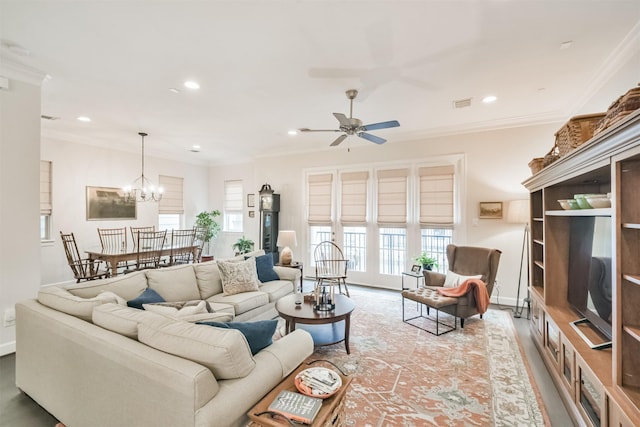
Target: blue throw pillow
{"x": 264, "y": 265}
{"x": 149, "y": 296}
{"x": 258, "y": 334}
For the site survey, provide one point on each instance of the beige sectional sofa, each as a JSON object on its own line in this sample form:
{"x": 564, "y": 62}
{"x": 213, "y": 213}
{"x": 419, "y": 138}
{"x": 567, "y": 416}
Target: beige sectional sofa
{"x": 90, "y": 360}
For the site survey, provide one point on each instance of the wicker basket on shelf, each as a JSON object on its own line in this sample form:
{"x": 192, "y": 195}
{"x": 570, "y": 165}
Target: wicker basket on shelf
{"x": 552, "y": 155}
{"x": 577, "y": 131}
{"x": 536, "y": 165}
{"x": 621, "y": 108}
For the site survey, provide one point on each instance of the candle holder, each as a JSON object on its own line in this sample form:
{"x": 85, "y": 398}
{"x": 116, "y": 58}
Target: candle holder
{"x": 324, "y": 298}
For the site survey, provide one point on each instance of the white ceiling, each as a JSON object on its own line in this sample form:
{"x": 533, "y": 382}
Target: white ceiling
{"x": 266, "y": 67}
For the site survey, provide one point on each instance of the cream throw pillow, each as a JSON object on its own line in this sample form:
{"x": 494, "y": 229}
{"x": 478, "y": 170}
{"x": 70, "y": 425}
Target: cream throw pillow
{"x": 239, "y": 276}
{"x": 178, "y": 310}
{"x": 453, "y": 280}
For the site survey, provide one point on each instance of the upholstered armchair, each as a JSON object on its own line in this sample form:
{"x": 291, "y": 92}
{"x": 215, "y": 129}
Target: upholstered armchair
{"x": 467, "y": 261}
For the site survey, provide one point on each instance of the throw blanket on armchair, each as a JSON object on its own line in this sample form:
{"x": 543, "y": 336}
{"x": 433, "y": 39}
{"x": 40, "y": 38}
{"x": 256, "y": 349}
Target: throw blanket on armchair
{"x": 477, "y": 286}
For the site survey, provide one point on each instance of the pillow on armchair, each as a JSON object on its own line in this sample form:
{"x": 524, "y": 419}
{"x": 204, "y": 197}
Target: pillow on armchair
{"x": 453, "y": 280}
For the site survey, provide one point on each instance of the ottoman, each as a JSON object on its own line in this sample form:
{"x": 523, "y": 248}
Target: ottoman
{"x": 432, "y": 300}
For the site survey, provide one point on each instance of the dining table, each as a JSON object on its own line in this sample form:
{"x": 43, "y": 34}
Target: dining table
{"x": 114, "y": 256}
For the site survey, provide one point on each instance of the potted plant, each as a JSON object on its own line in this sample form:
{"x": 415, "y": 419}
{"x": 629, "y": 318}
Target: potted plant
{"x": 243, "y": 246}
{"x": 428, "y": 262}
{"x": 207, "y": 227}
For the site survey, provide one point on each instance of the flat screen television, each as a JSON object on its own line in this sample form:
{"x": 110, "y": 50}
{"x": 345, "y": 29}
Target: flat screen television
{"x": 589, "y": 292}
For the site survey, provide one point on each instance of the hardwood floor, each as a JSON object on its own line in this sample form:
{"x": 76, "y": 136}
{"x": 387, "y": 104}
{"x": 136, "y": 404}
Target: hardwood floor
{"x": 17, "y": 409}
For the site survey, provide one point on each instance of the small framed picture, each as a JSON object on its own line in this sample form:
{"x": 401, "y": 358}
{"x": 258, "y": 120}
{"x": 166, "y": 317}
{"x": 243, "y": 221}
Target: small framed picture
{"x": 415, "y": 268}
{"x": 490, "y": 210}
{"x": 251, "y": 200}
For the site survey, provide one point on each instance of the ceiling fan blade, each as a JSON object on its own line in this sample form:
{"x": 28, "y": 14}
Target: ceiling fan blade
{"x": 344, "y": 121}
{"x": 338, "y": 140}
{"x": 372, "y": 138}
{"x": 318, "y": 130}
{"x": 381, "y": 125}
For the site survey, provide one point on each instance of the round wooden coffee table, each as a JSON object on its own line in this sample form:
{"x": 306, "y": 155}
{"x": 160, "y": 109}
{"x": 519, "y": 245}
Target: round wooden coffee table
{"x": 322, "y": 325}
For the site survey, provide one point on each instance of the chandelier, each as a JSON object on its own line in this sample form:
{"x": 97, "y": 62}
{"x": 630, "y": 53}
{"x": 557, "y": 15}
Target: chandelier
{"x": 142, "y": 190}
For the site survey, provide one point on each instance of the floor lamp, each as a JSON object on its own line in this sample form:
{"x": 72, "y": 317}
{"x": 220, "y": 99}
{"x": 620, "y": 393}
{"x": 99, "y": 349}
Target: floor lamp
{"x": 518, "y": 213}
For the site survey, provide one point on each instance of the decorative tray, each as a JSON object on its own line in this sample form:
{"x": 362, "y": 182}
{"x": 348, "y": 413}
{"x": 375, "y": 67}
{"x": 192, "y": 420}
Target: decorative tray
{"x": 318, "y": 382}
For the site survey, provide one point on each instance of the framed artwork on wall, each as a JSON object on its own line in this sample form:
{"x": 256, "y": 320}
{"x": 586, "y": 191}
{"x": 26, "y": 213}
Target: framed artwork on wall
{"x": 109, "y": 203}
{"x": 490, "y": 210}
{"x": 251, "y": 200}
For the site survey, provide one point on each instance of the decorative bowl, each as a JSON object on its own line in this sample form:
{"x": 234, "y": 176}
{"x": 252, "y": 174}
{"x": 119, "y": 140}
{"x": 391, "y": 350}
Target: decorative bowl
{"x": 599, "y": 201}
{"x": 318, "y": 382}
{"x": 568, "y": 204}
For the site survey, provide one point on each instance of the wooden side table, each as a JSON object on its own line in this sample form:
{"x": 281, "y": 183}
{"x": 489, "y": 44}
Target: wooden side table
{"x": 296, "y": 265}
{"x": 331, "y": 414}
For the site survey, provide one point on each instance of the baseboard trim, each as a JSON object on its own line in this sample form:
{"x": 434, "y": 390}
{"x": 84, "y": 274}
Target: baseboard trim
{"x": 7, "y": 348}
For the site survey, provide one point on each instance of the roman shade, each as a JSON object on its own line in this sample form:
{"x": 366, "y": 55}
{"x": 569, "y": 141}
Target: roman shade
{"x": 319, "y": 193}
{"x": 392, "y": 196}
{"x": 172, "y": 197}
{"x": 233, "y": 196}
{"x": 436, "y": 196}
{"x": 45, "y": 187}
{"x": 353, "y": 209}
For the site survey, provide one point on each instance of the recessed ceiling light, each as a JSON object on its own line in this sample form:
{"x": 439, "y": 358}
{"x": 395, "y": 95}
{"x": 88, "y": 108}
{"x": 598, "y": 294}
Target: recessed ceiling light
{"x": 195, "y": 148}
{"x": 191, "y": 85}
{"x": 293, "y": 132}
{"x": 84, "y": 119}
{"x": 566, "y": 45}
{"x": 174, "y": 90}
{"x": 489, "y": 99}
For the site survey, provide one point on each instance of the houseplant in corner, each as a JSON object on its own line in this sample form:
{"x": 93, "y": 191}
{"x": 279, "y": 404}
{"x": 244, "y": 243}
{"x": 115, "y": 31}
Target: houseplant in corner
{"x": 207, "y": 228}
{"x": 243, "y": 246}
{"x": 426, "y": 261}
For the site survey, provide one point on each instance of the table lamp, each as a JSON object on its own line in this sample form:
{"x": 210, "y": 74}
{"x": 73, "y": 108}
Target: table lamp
{"x": 286, "y": 239}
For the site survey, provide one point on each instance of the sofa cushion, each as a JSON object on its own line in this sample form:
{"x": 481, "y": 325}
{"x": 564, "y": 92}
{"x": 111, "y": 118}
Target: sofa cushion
{"x": 122, "y": 320}
{"x": 174, "y": 283}
{"x": 258, "y": 334}
{"x": 208, "y": 278}
{"x": 238, "y": 277}
{"x": 454, "y": 280}
{"x": 243, "y": 302}
{"x": 224, "y": 351}
{"x": 277, "y": 289}
{"x": 179, "y": 309}
{"x": 62, "y": 300}
{"x": 128, "y": 286}
{"x": 264, "y": 268}
{"x": 147, "y": 297}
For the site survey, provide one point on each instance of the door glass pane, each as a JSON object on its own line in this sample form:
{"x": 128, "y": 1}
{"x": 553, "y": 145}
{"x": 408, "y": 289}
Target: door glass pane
{"x": 393, "y": 250}
{"x": 317, "y": 234}
{"x": 434, "y": 242}
{"x": 355, "y": 247}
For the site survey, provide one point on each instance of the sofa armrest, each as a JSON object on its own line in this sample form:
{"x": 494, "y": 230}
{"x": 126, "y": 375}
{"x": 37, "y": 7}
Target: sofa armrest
{"x": 290, "y": 350}
{"x": 287, "y": 273}
{"x": 431, "y": 278}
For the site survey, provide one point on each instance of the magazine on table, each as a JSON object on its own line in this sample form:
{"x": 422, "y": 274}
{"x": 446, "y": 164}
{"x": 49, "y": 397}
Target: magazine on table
{"x": 296, "y": 406}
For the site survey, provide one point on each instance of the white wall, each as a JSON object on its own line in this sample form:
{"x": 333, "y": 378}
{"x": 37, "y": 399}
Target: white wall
{"x": 19, "y": 192}
{"x": 75, "y": 166}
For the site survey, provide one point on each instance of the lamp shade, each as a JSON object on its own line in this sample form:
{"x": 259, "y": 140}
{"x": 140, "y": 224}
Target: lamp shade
{"x": 287, "y": 238}
{"x": 518, "y": 212}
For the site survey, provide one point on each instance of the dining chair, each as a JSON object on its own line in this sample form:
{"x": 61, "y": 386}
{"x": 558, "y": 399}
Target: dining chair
{"x": 114, "y": 240}
{"x": 83, "y": 268}
{"x": 331, "y": 266}
{"x": 135, "y": 230}
{"x": 149, "y": 249}
{"x": 200, "y": 234}
{"x": 182, "y": 242}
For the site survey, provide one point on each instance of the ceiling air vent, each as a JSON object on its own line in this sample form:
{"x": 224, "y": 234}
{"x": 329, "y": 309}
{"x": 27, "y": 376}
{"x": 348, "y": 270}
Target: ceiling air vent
{"x": 461, "y": 103}
{"x": 45, "y": 117}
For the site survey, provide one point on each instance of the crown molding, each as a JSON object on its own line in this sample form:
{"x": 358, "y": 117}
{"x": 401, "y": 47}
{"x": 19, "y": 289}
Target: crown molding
{"x": 16, "y": 70}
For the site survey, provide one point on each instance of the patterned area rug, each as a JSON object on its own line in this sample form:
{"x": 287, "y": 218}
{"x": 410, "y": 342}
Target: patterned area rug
{"x": 404, "y": 376}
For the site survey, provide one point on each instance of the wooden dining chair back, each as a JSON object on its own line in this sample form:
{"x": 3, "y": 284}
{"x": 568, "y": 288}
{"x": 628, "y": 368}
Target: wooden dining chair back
{"x": 83, "y": 268}
{"x": 113, "y": 239}
{"x": 182, "y": 244}
{"x": 135, "y": 230}
{"x": 331, "y": 266}
{"x": 149, "y": 249}
{"x": 200, "y": 233}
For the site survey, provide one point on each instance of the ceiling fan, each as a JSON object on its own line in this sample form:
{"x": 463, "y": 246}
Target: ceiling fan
{"x": 352, "y": 126}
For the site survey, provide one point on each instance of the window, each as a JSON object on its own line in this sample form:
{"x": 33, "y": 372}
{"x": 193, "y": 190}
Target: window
{"x": 393, "y": 250}
{"x": 45, "y": 200}
{"x": 319, "y": 193}
{"x": 232, "y": 212}
{"x": 169, "y": 222}
{"x": 318, "y": 234}
{"x": 355, "y": 247}
{"x": 434, "y": 241}
{"x": 171, "y": 206}
{"x": 392, "y": 196}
